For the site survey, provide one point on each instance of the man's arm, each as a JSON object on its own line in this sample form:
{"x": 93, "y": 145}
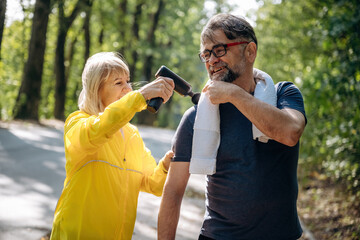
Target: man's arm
{"x": 284, "y": 126}
{"x": 174, "y": 189}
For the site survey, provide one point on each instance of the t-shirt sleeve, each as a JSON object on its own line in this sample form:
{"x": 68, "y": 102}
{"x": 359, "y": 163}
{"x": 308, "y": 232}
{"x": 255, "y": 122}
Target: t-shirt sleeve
{"x": 289, "y": 96}
{"x": 182, "y": 140}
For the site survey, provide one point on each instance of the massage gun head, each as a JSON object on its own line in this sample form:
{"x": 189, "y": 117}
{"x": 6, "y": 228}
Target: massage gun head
{"x": 195, "y": 98}
{"x": 181, "y": 86}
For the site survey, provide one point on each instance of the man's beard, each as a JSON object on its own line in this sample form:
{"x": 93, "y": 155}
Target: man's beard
{"x": 232, "y": 73}
{"x": 230, "y": 76}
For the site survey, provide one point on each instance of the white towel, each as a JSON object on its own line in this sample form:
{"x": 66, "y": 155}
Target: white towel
{"x": 206, "y": 137}
{"x": 266, "y": 92}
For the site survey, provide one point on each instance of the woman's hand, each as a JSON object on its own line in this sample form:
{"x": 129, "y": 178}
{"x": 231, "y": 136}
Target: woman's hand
{"x": 161, "y": 87}
{"x": 167, "y": 158}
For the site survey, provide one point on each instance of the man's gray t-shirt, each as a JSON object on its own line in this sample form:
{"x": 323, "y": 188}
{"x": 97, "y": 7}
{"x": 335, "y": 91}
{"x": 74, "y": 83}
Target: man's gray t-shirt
{"x": 253, "y": 193}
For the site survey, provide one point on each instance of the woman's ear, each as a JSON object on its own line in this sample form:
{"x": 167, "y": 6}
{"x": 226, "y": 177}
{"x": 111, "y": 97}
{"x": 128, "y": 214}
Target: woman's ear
{"x": 250, "y": 52}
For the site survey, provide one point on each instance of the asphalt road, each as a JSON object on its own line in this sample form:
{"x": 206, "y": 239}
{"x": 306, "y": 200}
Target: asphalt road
{"x": 32, "y": 174}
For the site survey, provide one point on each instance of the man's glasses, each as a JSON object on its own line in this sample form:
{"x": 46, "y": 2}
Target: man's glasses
{"x": 218, "y": 51}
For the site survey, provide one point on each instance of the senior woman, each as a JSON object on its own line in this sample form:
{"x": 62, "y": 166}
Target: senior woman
{"x": 107, "y": 163}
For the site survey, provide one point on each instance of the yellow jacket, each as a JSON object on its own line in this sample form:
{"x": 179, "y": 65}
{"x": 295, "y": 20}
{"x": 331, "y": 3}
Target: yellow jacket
{"x": 107, "y": 164}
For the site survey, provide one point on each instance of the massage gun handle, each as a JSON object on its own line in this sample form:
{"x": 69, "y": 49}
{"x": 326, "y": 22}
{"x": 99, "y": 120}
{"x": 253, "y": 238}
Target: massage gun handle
{"x": 154, "y": 104}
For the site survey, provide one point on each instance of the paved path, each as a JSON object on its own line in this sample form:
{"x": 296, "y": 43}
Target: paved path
{"x": 32, "y": 173}
{"x": 192, "y": 210}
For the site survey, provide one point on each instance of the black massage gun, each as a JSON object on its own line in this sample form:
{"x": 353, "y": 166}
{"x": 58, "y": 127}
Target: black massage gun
{"x": 181, "y": 86}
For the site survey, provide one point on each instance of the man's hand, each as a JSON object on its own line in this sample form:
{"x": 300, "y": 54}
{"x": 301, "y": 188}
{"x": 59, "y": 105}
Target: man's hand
{"x": 219, "y": 92}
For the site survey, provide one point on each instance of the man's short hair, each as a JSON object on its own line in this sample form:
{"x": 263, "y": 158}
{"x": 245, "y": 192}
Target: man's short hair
{"x": 234, "y": 27}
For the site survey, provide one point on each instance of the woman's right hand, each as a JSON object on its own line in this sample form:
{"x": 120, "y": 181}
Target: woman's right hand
{"x": 167, "y": 159}
{"x": 161, "y": 87}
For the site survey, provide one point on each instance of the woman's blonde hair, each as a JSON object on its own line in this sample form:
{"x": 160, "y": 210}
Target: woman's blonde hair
{"x": 97, "y": 69}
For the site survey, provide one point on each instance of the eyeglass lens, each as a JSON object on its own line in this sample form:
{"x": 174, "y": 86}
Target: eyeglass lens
{"x": 218, "y": 51}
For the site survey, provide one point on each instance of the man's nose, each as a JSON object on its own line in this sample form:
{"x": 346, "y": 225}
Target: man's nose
{"x": 213, "y": 59}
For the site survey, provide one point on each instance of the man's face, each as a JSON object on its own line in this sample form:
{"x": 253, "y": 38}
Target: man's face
{"x": 228, "y": 67}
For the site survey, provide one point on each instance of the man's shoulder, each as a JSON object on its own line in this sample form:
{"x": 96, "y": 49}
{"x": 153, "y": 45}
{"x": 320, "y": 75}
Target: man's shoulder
{"x": 188, "y": 119}
{"x": 190, "y": 112}
{"x": 286, "y": 86}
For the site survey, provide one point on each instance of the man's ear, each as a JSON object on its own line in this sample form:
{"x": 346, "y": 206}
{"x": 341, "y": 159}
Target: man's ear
{"x": 250, "y": 52}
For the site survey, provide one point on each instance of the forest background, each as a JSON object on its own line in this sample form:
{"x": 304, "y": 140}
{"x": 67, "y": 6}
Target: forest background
{"x": 315, "y": 44}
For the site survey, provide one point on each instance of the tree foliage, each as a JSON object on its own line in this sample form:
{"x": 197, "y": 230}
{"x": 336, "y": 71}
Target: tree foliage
{"x": 148, "y": 33}
{"x": 313, "y": 43}
{"x": 316, "y": 45}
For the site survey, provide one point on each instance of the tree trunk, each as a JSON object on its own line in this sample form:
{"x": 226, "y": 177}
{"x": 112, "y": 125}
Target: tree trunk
{"x": 145, "y": 117}
{"x": 2, "y": 24}
{"x": 123, "y": 26}
{"x": 2, "y": 21}
{"x": 61, "y": 81}
{"x": 60, "y": 85}
{"x": 135, "y": 37}
{"x": 151, "y": 39}
{"x": 27, "y": 102}
{"x": 86, "y": 28}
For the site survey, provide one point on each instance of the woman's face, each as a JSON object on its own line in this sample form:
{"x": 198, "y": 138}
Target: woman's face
{"x": 114, "y": 88}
